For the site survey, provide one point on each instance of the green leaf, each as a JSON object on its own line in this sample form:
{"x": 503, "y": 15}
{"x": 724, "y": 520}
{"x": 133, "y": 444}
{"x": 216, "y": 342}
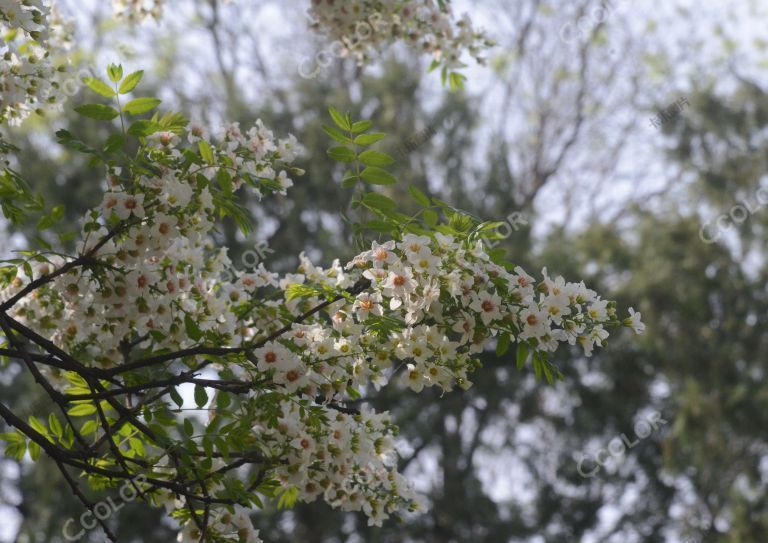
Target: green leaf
{"x": 350, "y": 181}
{"x": 99, "y": 87}
{"x": 377, "y": 176}
{"x": 288, "y": 498}
{"x": 298, "y": 290}
{"x": 141, "y": 105}
{"x": 337, "y": 135}
{"x": 130, "y": 82}
{"x": 97, "y": 111}
{"x": 223, "y": 400}
{"x": 522, "y": 355}
{"x": 342, "y": 154}
{"x": 38, "y": 426}
{"x": 113, "y": 143}
{"x": 34, "y": 450}
{"x": 353, "y": 393}
{"x": 89, "y": 427}
{"x": 16, "y": 450}
{"x": 176, "y": 397}
{"x": 503, "y": 345}
{"x": 201, "y": 396}
{"x": 369, "y": 139}
{"x": 361, "y": 126}
{"x": 537, "y": 365}
{"x": 138, "y": 446}
{"x": 82, "y": 410}
{"x": 340, "y": 120}
{"x": 430, "y": 217}
{"x": 192, "y": 329}
{"x": 375, "y": 158}
{"x": 206, "y": 151}
{"x": 45, "y": 223}
{"x": 55, "y": 425}
{"x": 225, "y": 181}
{"x": 379, "y": 201}
{"x": 143, "y": 128}
{"x": 189, "y": 429}
{"x": 12, "y": 437}
{"x": 456, "y": 81}
{"x": 419, "y": 196}
{"x": 115, "y": 72}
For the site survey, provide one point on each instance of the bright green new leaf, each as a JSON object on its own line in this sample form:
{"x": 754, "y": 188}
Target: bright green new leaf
{"x": 340, "y": 120}
{"x": 16, "y": 450}
{"x": 130, "y": 82}
{"x": 34, "y": 451}
{"x": 89, "y": 427}
{"x": 141, "y": 105}
{"x": 138, "y": 446}
{"x": 98, "y": 86}
{"x": 206, "y": 151}
{"x": 361, "y": 126}
{"x": 336, "y": 134}
{"x": 38, "y": 426}
{"x": 82, "y": 410}
{"x": 12, "y": 437}
{"x": 115, "y": 72}
{"x": 288, "y": 498}
{"x": 55, "y": 425}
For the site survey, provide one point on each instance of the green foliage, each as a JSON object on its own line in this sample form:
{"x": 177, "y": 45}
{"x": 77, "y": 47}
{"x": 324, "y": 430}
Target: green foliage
{"x": 97, "y": 111}
{"x": 141, "y": 105}
{"x": 366, "y": 163}
{"x": 130, "y": 82}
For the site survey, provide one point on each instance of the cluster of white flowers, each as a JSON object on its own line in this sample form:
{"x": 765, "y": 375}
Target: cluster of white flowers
{"x": 161, "y": 271}
{"x": 30, "y": 77}
{"x": 236, "y": 527}
{"x": 348, "y": 459}
{"x": 363, "y": 27}
{"x": 431, "y": 305}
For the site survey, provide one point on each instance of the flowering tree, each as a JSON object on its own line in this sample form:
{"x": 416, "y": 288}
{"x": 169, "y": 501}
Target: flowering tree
{"x": 282, "y": 364}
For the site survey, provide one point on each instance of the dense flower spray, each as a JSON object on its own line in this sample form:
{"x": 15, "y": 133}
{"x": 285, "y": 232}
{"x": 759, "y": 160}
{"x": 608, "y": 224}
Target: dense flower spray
{"x": 281, "y": 364}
